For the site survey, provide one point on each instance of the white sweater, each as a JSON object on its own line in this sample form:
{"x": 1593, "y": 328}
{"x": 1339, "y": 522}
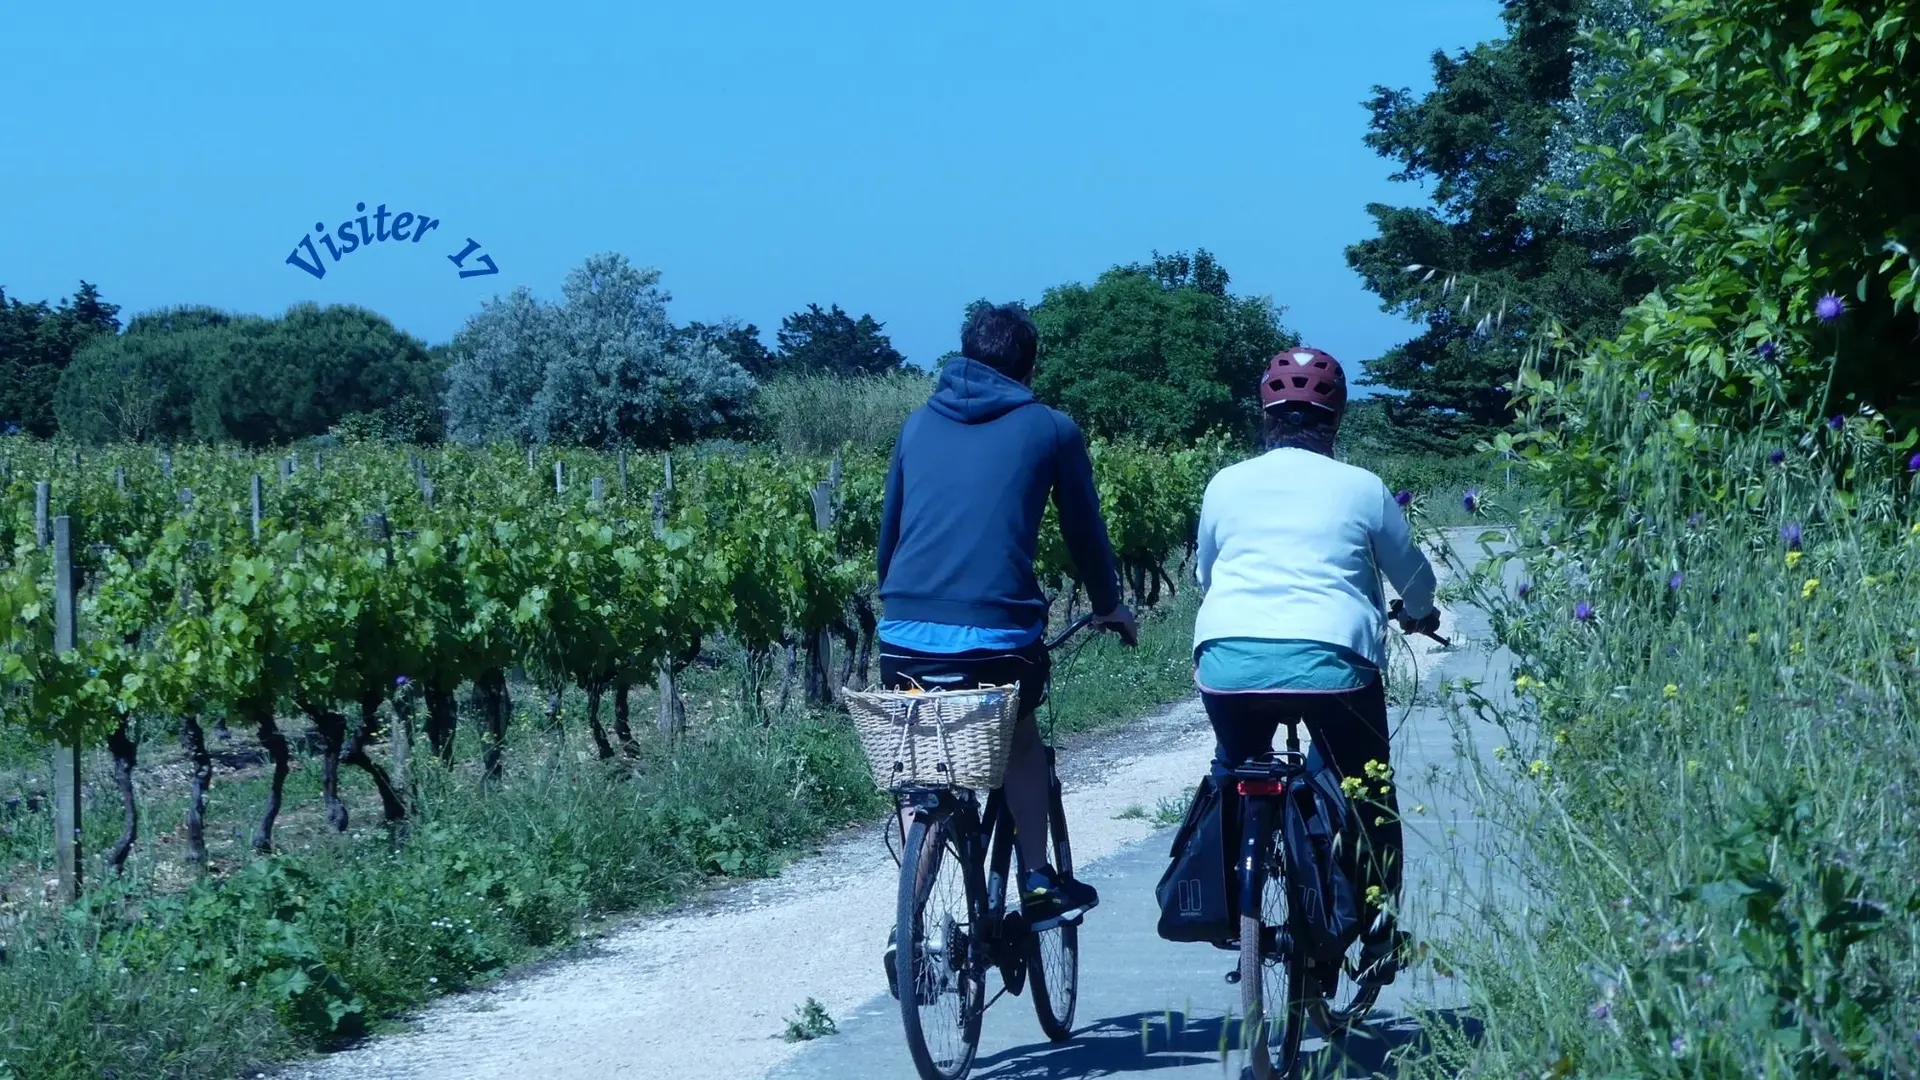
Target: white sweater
{"x": 1292, "y": 545}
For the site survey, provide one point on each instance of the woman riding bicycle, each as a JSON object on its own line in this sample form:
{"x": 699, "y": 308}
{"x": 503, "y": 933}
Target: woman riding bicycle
{"x": 1291, "y": 548}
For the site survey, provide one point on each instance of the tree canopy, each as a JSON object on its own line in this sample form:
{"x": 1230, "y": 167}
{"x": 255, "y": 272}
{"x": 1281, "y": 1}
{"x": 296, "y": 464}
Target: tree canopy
{"x": 1500, "y": 248}
{"x": 37, "y": 343}
{"x": 832, "y": 342}
{"x": 198, "y": 373}
{"x": 1158, "y": 351}
{"x": 603, "y": 367}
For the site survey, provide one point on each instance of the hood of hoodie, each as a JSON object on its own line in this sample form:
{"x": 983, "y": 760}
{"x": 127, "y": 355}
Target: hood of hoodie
{"x": 973, "y": 393}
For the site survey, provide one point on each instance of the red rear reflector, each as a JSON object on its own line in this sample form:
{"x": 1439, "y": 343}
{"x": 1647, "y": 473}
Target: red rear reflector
{"x": 1263, "y": 787}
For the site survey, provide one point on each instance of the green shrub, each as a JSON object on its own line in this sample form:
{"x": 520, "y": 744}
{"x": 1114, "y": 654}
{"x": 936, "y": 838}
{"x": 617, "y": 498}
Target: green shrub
{"x": 819, "y": 414}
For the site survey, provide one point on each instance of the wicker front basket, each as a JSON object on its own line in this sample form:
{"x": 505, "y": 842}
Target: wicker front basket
{"x": 943, "y": 738}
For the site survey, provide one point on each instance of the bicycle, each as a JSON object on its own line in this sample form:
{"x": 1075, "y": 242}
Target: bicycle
{"x": 944, "y": 945}
{"x": 1270, "y": 969}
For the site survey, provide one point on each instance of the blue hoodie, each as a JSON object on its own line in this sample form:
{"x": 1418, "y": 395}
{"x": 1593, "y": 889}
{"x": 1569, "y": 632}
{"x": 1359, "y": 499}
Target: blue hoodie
{"x": 971, "y": 475}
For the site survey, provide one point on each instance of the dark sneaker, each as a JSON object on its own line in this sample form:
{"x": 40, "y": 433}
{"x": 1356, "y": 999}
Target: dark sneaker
{"x": 1381, "y": 957}
{"x": 1049, "y": 900}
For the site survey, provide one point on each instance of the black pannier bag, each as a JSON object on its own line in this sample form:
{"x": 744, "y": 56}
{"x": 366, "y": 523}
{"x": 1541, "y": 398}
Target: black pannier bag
{"x": 1195, "y": 893}
{"x": 1322, "y": 833}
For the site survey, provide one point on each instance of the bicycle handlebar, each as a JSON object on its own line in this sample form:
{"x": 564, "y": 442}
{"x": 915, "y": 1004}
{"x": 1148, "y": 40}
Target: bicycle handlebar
{"x": 1073, "y": 628}
{"x": 1395, "y": 611}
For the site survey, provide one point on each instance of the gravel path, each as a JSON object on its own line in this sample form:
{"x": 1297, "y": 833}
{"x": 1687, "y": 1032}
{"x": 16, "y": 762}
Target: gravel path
{"x": 707, "y": 991}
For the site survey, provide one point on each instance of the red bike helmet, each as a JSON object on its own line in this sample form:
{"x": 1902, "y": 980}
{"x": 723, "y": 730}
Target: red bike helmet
{"x": 1304, "y": 375}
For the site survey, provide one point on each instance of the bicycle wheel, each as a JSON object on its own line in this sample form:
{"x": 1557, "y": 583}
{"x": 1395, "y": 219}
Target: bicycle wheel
{"x": 1272, "y": 986}
{"x": 1053, "y": 957}
{"x": 942, "y": 991}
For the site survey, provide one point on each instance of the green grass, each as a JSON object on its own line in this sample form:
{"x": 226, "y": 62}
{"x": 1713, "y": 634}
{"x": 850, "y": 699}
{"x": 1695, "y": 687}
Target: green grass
{"x": 1709, "y": 795}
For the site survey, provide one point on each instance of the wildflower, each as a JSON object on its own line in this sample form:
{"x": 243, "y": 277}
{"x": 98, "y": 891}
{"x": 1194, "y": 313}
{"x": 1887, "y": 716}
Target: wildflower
{"x": 1526, "y": 587}
{"x": 1809, "y": 587}
{"x": 1644, "y": 395}
{"x": 1777, "y": 456}
{"x": 1694, "y": 519}
{"x": 1670, "y": 691}
{"x": 1537, "y": 768}
{"x": 1767, "y": 349}
{"x": 1420, "y": 808}
{"x": 401, "y": 680}
{"x": 1500, "y": 753}
{"x": 1375, "y": 894}
{"x": 1794, "y": 557}
{"x": 1600, "y": 1011}
{"x": 1679, "y": 1046}
{"x": 1560, "y": 737}
{"x": 1913, "y": 463}
{"x": 1673, "y": 583}
{"x": 1378, "y": 770}
{"x": 1403, "y": 498}
{"x": 1521, "y": 682}
{"x": 1471, "y": 500}
{"x": 1837, "y": 423}
{"x": 1790, "y": 534}
{"x": 1830, "y": 307}
{"x": 1583, "y": 612}
{"x": 1753, "y": 637}
{"x": 1352, "y": 786}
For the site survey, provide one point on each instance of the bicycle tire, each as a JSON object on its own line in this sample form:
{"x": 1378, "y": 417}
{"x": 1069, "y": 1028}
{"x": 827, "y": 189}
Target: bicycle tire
{"x": 1056, "y": 992}
{"x": 1272, "y": 1039}
{"x": 947, "y": 967}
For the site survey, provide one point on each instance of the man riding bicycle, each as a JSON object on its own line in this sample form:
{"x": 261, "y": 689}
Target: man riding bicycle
{"x": 1291, "y": 548}
{"x": 971, "y": 474}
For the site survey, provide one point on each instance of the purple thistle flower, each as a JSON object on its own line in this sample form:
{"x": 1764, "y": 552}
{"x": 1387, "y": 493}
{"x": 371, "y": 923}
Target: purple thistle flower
{"x": 1837, "y": 423}
{"x": 1600, "y": 1011}
{"x": 1790, "y": 535}
{"x": 1523, "y": 589}
{"x": 1830, "y": 307}
{"x": 1471, "y": 500}
{"x": 401, "y": 680}
{"x": 1644, "y": 395}
{"x": 1777, "y": 456}
{"x": 1403, "y": 498}
{"x": 1767, "y": 349}
{"x": 1583, "y": 612}
{"x": 1913, "y": 463}
{"x": 1674, "y": 581}
{"x": 1694, "y": 519}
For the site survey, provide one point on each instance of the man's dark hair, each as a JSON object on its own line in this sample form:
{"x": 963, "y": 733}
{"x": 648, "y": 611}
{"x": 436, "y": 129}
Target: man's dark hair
{"x": 1001, "y": 337}
{"x": 1300, "y": 425}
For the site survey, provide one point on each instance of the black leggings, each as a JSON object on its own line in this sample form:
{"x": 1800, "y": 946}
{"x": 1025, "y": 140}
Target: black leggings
{"x": 1350, "y": 730}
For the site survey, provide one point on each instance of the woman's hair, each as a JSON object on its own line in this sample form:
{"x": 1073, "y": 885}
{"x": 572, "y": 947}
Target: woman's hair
{"x": 1301, "y": 426}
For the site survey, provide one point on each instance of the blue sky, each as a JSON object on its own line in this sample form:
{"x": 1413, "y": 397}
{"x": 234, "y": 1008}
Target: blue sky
{"x": 895, "y": 158}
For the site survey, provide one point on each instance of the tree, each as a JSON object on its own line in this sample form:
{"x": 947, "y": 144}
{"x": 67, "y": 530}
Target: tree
{"x": 198, "y": 373}
{"x": 604, "y": 367}
{"x": 36, "y": 345}
{"x": 737, "y": 341}
{"x": 1159, "y": 351}
{"x": 1504, "y": 253}
{"x": 834, "y": 343}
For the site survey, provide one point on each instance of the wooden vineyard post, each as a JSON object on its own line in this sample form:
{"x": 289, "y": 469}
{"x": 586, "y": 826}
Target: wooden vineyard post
{"x": 559, "y": 477}
{"x": 166, "y": 464}
{"x": 66, "y": 759}
{"x": 255, "y": 486}
{"x": 42, "y": 493}
{"x": 120, "y": 479}
{"x": 673, "y": 711}
{"x": 426, "y": 491}
{"x": 286, "y": 468}
{"x": 599, "y": 490}
{"x": 531, "y": 464}
{"x": 820, "y": 642}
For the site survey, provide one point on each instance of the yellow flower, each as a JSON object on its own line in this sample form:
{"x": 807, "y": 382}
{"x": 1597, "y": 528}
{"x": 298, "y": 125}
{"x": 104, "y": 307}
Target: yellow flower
{"x": 1560, "y": 737}
{"x": 1670, "y": 691}
{"x": 1375, "y": 894}
{"x": 1353, "y": 786}
{"x": 1753, "y": 638}
{"x": 1793, "y": 558}
{"x": 1378, "y": 771}
{"x": 1538, "y": 768}
{"x": 1692, "y": 767}
{"x": 1499, "y": 753}
{"x": 1809, "y": 587}
{"x": 1796, "y": 648}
